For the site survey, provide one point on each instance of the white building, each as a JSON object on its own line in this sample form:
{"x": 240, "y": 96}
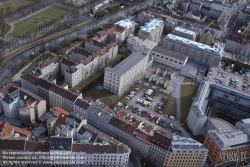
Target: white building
{"x": 152, "y": 30}
{"x": 168, "y": 57}
{"x": 128, "y": 25}
{"x": 133, "y": 43}
{"x": 196, "y": 51}
{"x": 122, "y": 76}
{"x": 185, "y": 152}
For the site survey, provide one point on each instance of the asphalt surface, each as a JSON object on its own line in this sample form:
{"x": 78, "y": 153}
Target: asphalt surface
{"x": 150, "y": 109}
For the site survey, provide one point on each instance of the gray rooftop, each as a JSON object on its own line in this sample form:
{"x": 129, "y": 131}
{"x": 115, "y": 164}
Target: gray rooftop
{"x": 127, "y": 63}
{"x": 180, "y": 143}
{"x": 221, "y": 124}
{"x": 230, "y": 139}
{"x": 170, "y": 53}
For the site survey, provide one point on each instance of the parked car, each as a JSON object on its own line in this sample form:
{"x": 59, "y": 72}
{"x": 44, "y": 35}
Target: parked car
{"x": 173, "y": 118}
{"x": 126, "y": 107}
{"x": 127, "y": 98}
{"x": 165, "y": 115}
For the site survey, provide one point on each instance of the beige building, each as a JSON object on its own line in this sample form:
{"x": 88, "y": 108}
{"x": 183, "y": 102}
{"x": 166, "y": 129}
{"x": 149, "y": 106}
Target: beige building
{"x": 185, "y": 152}
{"x": 152, "y": 30}
{"x": 168, "y": 57}
{"x": 201, "y": 53}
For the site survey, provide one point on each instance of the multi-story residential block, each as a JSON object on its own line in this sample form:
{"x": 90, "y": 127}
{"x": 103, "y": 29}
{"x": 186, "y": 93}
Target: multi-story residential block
{"x": 54, "y": 94}
{"x": 122, "y": 76}
{"x": 196, "y": 51}
{"x": 195, "y": 7}
{"x": 207, "y": 38}
{"x": 185, "y": 152}
{"x": 90, "y": 148}
{"x": 184, "y": 6}
{"x": 145, "y": 17}
{"x": 152, "y": 30}
{"x": 10, "y": 132}
{"x": 244, "y": 14}
{"x": 185, "y": 33}
{"x": 236, "y": 45}
{"x": 133, "y": 43}
{"x": 49, "y": 67}
{"x": 98, "y": 117}
{"x": 153, "y": 146}
{"x": 220, "y": 97}
{"x": 128, "y": 25}
{"x": 80, "y": 108}
{"x": 20, "y": 103}
{"x": 168, "y": 57}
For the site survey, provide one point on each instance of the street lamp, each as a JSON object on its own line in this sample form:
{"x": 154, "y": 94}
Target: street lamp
{"x": 32, "y": 55}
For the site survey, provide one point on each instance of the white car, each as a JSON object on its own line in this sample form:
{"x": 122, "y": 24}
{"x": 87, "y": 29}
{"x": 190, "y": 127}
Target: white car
{"x": 127, "y": 98}
{"x": 173, "y": 118}
{"x": 126, "y": 107}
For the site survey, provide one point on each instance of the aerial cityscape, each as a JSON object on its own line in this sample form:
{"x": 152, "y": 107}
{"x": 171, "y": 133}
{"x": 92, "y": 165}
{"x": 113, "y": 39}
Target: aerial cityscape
{"x": 125, "y": 83}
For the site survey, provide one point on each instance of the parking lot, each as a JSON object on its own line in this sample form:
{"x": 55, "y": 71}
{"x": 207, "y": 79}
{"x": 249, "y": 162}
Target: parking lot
{"x": 148, "y": 113}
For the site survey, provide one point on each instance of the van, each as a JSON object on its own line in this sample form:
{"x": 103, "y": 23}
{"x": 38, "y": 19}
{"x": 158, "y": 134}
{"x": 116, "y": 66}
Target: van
{"x": 173, "y": 118}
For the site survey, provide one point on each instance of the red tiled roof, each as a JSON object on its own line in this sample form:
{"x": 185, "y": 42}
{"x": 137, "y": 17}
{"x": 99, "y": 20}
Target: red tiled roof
{"x": 36, "y": 146}
{"x": 81, "y": 103}
{"x": 122, "y": 125}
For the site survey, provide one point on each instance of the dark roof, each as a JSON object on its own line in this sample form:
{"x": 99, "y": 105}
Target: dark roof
{"x": 37, "y": 146}
{"x": 11, "y": 121}
{"x": 69, "y": 95}
{"x": 30, "y": 78}
{"x": 82, "y": 104}
{"x": 7, "y": 89}
{"x": 12, "y": 144}
{"x": 97, "y": 149}
{"x": 44, "y": 84}
{"x": 60, "y": 143}
{"x": 122, "y": 125}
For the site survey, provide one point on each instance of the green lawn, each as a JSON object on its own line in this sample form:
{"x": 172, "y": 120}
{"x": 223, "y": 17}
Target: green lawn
{"x": 170, "y": 106}
{"x": 86, "y": 82}
{"x": 42, "y": 58}
{"x": 186, "y": 79}
{"x": 187, "y": 93}
{"x": 33, "y": 22}
{"x": 103, "y": 95}
{"x": 13, "y": 5}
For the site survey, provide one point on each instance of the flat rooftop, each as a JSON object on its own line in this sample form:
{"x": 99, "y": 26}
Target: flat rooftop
{"x": 185, "y": 31}
{"x": 126, "y": 23}
{"x": 230, "y": 139}
{"x": 217, "y": 49}
{"x": 151, "y": 25}
{"x": 127, "y": 63}
{"x": 221, "y": 124}
{"x": 181, "y": 143}
{"x": 170, "y": 53}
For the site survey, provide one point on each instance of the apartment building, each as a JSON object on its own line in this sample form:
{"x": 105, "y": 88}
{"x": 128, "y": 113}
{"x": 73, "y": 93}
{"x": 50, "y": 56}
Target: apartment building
{"x": 133, "y": 43}
{"x": 145, "y": 16}
{"x": 196, "y": 51}
{"x": 122, "y": 76}
{"x": 98, "y": 117}
{"x": 152, "y": 30}
{"x": 54, "y": 94}
{"x": 10, "y": 132}
{"x": 185, "y": 152}
{"x": 49, "y": 67}
{"x": 21, "y": 104}
{"x": 185, "y": 33}
{"x": 207, "y": 38}
{"x": 234, "y": 44}
{"x": 184, "y": 6}
{"x": 195, "y": 7}
{"x": 92, "y": 149}
{"x": 80, "y": 108}
{"x": 217, "y": 96}
{"x": 128, "y": 26}
{"x": 168, "y": 57}
{"x": 153, "y": 147}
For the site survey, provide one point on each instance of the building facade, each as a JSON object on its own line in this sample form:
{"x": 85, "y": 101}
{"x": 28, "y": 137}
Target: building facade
{"x": 152, "y": 30}
{"x": 196, "y": 51}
